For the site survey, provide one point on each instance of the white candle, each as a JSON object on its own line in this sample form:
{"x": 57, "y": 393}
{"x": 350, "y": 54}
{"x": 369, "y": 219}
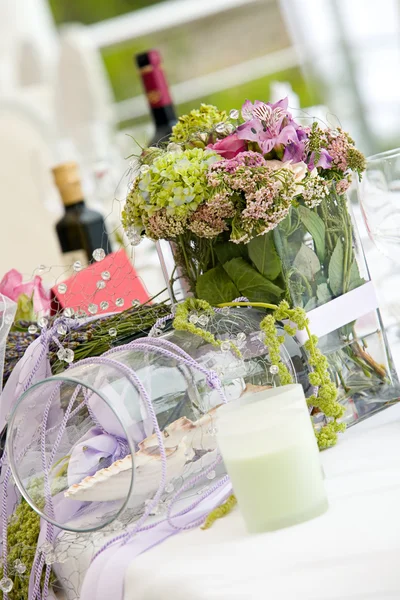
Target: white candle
{"x": 271, "y": 455}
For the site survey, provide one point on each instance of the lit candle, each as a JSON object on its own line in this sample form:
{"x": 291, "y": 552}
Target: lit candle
{"x": 271, "y": 455}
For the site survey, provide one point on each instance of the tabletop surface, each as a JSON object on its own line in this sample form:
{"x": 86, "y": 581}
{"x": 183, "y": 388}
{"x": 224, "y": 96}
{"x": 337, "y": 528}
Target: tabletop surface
{"x": 350, "y": 552}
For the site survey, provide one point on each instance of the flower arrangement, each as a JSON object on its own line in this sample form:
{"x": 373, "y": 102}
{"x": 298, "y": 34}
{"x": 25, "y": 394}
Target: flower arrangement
{"x": 235, "y": 178}
{"x": 254, "y": 205}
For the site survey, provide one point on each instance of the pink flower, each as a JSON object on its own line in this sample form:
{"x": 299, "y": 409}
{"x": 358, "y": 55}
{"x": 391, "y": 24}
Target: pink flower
{"x": 229, "y": 146}
{"x": 12, "y": 286}
{"x": 270, "y": 125}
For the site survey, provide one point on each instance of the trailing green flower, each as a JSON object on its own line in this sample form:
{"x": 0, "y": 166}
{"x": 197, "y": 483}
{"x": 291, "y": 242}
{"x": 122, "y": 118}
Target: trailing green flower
{"x": 22, "y": 536}
{"x": 194, "y": 129}
{"x": 182, "y": 321}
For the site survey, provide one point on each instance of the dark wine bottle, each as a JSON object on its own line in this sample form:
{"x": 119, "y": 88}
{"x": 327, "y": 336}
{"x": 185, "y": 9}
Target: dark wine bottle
{"x": 157, "y": 92}
{"x": 81, "y": 230}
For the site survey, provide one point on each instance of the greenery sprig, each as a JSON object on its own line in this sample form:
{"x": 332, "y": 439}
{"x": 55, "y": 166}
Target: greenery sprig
{"x": 325, "y": 399}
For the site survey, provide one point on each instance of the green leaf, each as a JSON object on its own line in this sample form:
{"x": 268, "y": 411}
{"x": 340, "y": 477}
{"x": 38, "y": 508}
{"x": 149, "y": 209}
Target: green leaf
{"x": 227, "y": 250}
{"x": 335, "y": 269}
{"x": 316, "y": 227}
{"x": 250, "y": 283}
{"x": 307, "y": 262}
{"x": 323, "y": 293}
{"x": 355, "y": 278}
{"x": 263, "y": 255}
{"x": 311, "y": 304}
{"x": 215, "y": 286}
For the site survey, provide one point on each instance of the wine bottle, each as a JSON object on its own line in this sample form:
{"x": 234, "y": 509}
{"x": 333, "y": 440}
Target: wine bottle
{"x": 157, "y": 92}
{"x": 81, "y": 230}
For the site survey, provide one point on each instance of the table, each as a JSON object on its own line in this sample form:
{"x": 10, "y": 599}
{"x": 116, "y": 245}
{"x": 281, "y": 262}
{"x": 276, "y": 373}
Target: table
{"x": 351, "y": 552}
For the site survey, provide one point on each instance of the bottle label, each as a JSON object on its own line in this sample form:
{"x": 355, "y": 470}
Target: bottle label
{"x": 156, "y": 86}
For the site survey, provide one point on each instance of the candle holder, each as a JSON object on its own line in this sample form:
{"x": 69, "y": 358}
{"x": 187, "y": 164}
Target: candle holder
{"x": 271, "y": 455}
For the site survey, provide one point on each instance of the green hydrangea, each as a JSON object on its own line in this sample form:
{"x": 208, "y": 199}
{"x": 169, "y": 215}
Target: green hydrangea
{"x": 167, "y": 191}
{"x": 195, "y": 128}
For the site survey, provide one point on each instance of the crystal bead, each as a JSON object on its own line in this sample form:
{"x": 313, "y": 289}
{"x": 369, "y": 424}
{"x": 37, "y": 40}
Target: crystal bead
{"x": 81, "y": 314}
{"x": 106, "y": 275}
{"x": 43, "y": 322}
{"x": 274, "y": 370}
{"x": 93, "y": 308}
{"x": 172, "y": 147}
{"x": 62, "y": 288}
{"x": 135, "y": 303}
{"x": 69, "y": 312}
{"x": 220, "y": 127}
{"x": 77, "y": 266}
{"x": 100, "y": 284}
{"x": 104, "y": 305}
{"x": 225, "y": 346}
{"x": 225, "y": 311}
{"x": 41, "y": 268}
{"x": 234, "y": 113}
{"x": 241, "y": 337}
{"x": 162, "y": 325}
{"x": 119, "y": 302}
{"x": 203, "y": 320}
{"x": 19, "y": 567}
{"x": 144, "y": 169}
{"x": 135, "y": 240}
{"x": 32, "y": 329}
{"x": 69, "y": 355}
{"x": 211, "y": 475}
{"x": 98, "y": 254}
{"x": 6, "y": 585}
{"x": 50, "y": 558}
{"x": 194, "y": 319}
{"x": 61, "y": 329}
{"x": 157, "y": 332}
{"x": 212, "y": 430}
{"x": 61, "y": 354}
{"x": 229, "y": 128}
{"x": 112, "y": 332}
{"x": 169, "y": 488}
{"x": 46, "y": 547}
{"x": 133, "y": 236}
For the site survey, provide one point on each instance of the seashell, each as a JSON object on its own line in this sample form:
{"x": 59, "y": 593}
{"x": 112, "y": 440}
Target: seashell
{"x": 182, "y": 439}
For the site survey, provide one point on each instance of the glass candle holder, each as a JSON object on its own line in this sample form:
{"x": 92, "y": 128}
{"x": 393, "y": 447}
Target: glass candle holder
{"x": 271, "y": 455}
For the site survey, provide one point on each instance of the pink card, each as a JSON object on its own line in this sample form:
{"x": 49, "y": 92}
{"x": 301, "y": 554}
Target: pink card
{"x": 122, "y": 287}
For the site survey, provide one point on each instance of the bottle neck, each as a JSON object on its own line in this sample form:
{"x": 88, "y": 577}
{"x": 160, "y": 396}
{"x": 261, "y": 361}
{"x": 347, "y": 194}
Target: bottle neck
{"x": 74, "y": 207}
{"x": 164, "y": 115}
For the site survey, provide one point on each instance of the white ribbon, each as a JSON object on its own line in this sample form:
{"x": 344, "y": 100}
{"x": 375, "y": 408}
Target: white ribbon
{"x": 339, "y": 312}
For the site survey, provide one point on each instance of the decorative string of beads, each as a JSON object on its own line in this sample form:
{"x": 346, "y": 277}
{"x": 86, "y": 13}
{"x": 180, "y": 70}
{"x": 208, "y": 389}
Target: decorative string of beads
{"x": 43, "y": 322}
{"x": 19, "y": 567}
{"x": 77, "y": 266}
{"x": 61, "y": 329}
{"x": 62, "y": 288}
{"x": 92, "y": 308}
{"x": 66, "y": 355}
{"x": 6, "y": 585}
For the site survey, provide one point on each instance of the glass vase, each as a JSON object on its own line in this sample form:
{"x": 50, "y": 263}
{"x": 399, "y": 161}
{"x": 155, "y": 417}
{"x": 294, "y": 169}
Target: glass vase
{"x": 325, "y": 272}
{"x": 313, "y": 259}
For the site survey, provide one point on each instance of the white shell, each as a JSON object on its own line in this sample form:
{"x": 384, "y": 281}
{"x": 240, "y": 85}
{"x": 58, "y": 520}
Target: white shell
{"x": 181, "y": 440}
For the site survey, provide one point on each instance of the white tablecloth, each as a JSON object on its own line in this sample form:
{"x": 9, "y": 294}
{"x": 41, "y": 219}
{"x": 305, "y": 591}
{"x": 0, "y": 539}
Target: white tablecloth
{"x": 351, "y": 552}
